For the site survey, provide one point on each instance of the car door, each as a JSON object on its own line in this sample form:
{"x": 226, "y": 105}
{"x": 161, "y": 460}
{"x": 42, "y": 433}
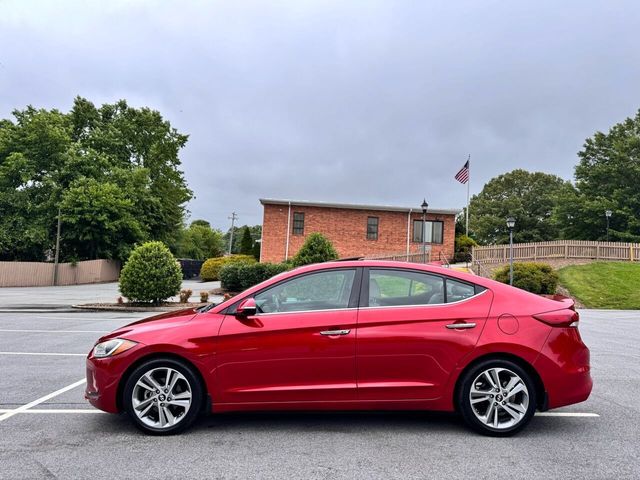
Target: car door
{"x": 413, "y": 329}
{"x": 300, "y": 345}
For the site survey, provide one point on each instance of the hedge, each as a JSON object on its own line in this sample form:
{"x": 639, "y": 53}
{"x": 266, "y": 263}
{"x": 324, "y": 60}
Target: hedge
{"x": 533, "y": 277}
{"x": 316, "y": 249}
{"x": 236, "y": 277}
{"x": 211, "y": 268}
{"x": 151, "y": 274}
{"x": 463, "y": 247}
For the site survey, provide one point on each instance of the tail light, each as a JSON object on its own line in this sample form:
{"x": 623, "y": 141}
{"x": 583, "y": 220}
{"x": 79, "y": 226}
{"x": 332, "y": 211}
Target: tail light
{"x": 559, "y": 318}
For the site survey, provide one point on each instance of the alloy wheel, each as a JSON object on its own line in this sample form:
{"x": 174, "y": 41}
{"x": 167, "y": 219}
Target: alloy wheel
{"x": 499, "y": 398}
{"x": 161, "y": 397}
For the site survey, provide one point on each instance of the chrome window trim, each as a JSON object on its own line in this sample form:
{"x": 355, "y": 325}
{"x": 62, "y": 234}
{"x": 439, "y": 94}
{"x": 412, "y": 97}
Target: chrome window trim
{"x": 426, "y": 304}
{"x": 266, "y": 314}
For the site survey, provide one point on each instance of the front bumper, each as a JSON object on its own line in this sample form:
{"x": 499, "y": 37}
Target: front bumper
{"x": 103, "y": 379}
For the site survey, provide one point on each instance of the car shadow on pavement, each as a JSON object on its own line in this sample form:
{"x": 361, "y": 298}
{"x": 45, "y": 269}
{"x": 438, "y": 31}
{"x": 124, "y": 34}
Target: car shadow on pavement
{"x": 303, "y": 423}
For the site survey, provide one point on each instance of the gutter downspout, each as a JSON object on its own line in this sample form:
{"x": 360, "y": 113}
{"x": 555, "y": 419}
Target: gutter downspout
{"x": 286, "y": 249}
{"x": 408, "y": 231}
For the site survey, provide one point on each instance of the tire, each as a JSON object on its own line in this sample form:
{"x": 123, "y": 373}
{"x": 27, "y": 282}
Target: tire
{"x": 159, "y": 405}
{"x": 497, "y": 413}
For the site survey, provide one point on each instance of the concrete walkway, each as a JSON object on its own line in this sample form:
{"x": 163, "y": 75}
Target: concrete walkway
{"x": 47, "y": 297}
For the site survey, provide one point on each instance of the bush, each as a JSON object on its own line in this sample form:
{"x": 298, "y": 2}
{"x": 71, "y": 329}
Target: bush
{"x": 204, "y": 296}
{"x": 316, "y": 249}
{"x": 185, "y": 294}
{"x": 211, "y": 268}
{"x": 151, "y": 274}
{"x": 463, "y": 247}
{"x": 236, "y": 277}
{"x": 533, "y": 277}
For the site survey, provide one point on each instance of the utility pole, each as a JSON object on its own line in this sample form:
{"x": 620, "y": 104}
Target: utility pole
{"x": 57, "y": 257}
{"x": 233, "y": 219}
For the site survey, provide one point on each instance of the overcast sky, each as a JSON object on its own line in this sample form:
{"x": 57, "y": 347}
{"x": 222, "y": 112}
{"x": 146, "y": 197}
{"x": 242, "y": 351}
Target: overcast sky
{"x": 342, "y": 101}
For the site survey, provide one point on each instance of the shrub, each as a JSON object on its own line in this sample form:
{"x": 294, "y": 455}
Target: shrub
{"x": 237, "y": 277}
{"x": 533, "y": 277}
{"x": 211, "y": 268}
{"x": 204, "y": 296}
{"x": 463, "y": 247}
{"x": 316, "y": 249}
{"x": 185, "y": 294}
{"x": 151, "y": 274}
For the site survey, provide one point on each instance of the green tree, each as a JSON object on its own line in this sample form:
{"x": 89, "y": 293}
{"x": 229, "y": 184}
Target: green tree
{"x": 44, "y": 154}
{"x": 316, "y": 249}
{"x": 530, "y": 197}
{"x": 99, "y": 220}
{"x": 256, "y": 234}
{"x": 200, "y": 241}
{"x": 246, "y": 244}
{"x": 151, "y": 274}
{"x": 607, "y": 178}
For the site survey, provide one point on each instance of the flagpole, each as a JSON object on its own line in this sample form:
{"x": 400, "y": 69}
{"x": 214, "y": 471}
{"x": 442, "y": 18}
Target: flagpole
{"x": 468, "y": 182}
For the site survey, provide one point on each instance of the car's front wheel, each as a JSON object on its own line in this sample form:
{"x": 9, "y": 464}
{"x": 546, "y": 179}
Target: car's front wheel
{"x": 497, "y": 397}
{"x": 163, "y": 396}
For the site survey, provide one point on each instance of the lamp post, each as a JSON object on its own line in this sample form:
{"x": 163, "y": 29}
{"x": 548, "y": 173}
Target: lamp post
{"x": 607, "y": 214}
{"x": 424, "y": 206}
{"x": 511, "y": 222}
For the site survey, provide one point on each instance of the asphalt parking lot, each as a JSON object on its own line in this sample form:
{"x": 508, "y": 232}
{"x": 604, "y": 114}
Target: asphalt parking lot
{"x": 42, "y": 350}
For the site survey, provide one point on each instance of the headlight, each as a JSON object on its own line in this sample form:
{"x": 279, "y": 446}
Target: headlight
{"x": 112, "y": 347}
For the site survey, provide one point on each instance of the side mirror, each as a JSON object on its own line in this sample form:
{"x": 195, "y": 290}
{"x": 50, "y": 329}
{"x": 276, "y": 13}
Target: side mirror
{"x": 247, "y": 308}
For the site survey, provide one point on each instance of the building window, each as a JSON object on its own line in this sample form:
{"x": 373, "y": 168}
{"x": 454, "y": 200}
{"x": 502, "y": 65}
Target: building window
{"x": 298, "y": 223}
{"x": 372, "y": 228}
{"x": 433, "y": 231}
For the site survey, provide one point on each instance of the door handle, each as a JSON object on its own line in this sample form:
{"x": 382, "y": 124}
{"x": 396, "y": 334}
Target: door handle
{"x": 455, "y": 326}
{"x": 335, "y": 332}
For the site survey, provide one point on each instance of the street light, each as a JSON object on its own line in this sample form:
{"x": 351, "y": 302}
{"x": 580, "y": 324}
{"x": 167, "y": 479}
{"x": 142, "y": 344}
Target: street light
{"x": 607, "y": 214}
{"x": 424, "y": 206}
{"x": 511, "y": 222}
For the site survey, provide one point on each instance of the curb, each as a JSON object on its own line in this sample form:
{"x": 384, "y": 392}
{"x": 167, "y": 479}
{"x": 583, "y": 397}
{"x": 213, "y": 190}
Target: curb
{"x": 109, "y": 308}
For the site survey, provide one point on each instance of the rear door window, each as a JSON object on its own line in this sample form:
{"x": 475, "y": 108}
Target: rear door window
{"x": 457, "y": 291}
{"x": 404, "y": 287}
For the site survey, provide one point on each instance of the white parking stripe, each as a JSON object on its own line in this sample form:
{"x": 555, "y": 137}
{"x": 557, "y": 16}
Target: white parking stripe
{"x": 52, "y": 331}
{"x": 40, "y": 400}
{"x": 566, "y": 414}
{"x": 56, "y": 410}
{"x": 46, "y": 353}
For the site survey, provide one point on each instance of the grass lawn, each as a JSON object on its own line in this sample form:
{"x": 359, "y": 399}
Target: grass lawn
{"x": 604, "y": 284}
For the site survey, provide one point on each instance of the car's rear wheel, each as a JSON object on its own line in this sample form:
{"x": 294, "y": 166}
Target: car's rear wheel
{"x": 497, "y": 397}
{"x": 163, "y": 396}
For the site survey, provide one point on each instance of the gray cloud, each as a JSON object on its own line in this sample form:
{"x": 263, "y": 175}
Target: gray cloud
{"x": 362, "y": 101}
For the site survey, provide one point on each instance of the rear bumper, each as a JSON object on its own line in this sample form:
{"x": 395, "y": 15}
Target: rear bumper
{"x": 564, "y": 367}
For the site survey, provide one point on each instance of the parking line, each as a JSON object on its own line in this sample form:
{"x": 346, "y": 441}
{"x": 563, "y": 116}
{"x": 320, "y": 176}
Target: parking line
{"x": 56, "y": 410}
{"x": 38, "y": 401}
{"x": 46, "y": 353}
{"x": 565, "y": 414}
{"x": 53, "y": 331}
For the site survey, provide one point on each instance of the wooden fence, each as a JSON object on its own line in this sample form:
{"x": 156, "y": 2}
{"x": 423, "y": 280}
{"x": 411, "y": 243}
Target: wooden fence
{"x": 40, "y": 274}
{"x": 403, "y": 257}
{"x": 558, "y": 249}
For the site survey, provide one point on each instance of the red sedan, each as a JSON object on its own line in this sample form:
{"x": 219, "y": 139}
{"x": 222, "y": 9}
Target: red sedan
{"x": 356, "y": 335}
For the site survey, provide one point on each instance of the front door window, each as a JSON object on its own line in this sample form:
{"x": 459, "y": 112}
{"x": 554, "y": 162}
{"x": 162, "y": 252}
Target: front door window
{"x": 317, "y": 291}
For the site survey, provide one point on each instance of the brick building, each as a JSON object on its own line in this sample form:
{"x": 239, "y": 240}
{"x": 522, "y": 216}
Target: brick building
{"x": 355, "y": 230}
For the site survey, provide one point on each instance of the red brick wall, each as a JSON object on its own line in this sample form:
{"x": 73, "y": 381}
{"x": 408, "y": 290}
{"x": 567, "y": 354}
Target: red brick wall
{"x": 347, "y": 230}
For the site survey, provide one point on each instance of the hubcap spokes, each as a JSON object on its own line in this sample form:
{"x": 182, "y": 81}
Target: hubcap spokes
{"x": 161, "y": 397}
{"x": 499, "y": 398}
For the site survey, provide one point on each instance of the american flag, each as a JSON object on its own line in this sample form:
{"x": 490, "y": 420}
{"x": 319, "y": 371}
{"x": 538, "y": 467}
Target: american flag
{"x": 463, "y": 175}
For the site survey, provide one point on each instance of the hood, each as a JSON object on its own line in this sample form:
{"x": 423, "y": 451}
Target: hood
{"x": 156, "y": 322}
